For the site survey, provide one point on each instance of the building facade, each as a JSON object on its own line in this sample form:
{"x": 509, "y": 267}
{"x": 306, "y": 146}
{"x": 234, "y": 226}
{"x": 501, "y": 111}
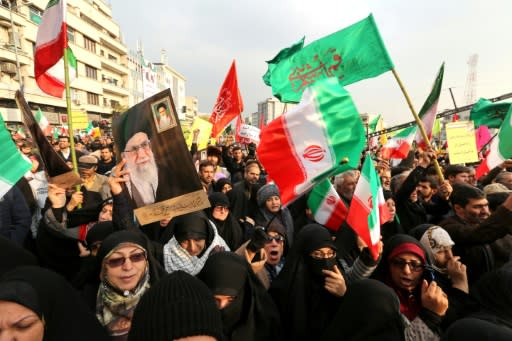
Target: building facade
{"x": 109, "y": 76}
{"x": 268, "y": 110}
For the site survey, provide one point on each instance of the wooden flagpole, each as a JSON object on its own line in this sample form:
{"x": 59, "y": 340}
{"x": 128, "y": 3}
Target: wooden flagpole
{"x": 419, "y": 123}
{"x": 70, "y": 119}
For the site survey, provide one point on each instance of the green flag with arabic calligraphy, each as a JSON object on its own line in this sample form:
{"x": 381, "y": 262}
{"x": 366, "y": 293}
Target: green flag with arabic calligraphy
{"x": 352, "y": 54}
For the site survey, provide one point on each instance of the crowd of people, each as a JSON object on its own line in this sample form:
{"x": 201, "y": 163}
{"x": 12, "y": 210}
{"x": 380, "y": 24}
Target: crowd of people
{"x": 76, "y": 265}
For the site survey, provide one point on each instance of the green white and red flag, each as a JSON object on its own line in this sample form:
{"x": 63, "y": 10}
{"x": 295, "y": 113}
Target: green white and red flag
{"x": 12, "y": 164}
{"x": 398, "y": 146}
{"x": 429, "y": 109}
{"x": 51, "y": 44}
{"x": 327, "y": 206}
{"x": 501, "y": 147}
{"x": 368, "y": 210}
{"x": 321, "y": 136}
{"x": 43, "y": 123}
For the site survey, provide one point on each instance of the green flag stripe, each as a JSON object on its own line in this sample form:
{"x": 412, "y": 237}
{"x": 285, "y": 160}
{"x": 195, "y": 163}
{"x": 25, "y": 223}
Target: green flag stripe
{"x": 12, "y": 164}
{"x": 338, "y": 110}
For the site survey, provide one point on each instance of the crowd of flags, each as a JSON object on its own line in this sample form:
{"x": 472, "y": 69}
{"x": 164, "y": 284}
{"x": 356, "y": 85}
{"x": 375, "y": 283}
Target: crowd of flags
{"x": 301, "y": 149}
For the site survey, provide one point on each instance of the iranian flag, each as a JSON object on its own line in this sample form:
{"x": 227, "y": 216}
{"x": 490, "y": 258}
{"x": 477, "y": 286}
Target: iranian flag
{"x": 398, "y": 146}
{"x": 368, "y": 208}
{"x": 12, "y": 164}
{"x": 429, "y": 109}
{"x": 51, "y": 44}
{"x": 43, "y": 123}
{"x": 321, "y": 136}
{"x": 501, "y": 148}
{"x": 327, "y": 206}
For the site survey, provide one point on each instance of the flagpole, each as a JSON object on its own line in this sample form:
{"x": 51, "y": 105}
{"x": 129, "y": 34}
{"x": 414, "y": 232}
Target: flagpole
{"x": 70, "y": 119}
{"x": 419, "y": 122}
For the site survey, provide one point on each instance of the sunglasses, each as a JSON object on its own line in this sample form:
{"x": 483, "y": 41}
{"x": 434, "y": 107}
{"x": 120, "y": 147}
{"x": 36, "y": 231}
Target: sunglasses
{"x": 119, "y": 261}
{"x": 413, "y": 265}
{"x": 278, "y": 239}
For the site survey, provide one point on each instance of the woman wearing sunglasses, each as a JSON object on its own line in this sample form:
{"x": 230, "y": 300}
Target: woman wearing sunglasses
{"x": 127, "y": 271}
{"x": 406, "y": 268}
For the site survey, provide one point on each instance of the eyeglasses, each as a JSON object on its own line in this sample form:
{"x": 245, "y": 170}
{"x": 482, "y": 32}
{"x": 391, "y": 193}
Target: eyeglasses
{"x": 221, "y": 208}
{"x": 146, "y": 145}
{"x": 323, "y": 255}
{"x": 119, "y": 261}
{"x": 414, "y": 266}
{"x": 278, "y": 239}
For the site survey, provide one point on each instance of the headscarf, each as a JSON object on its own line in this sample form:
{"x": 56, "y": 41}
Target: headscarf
{"x": 435, "y": 239}
{"x": 114, "y": 308}
{"x": 229, "y": 229}
{"x": 251, "y": 315}
{"x": 51, "y": 297}
{"x": 476, "y": 329}
{"x": 178, "y": 306}
{"x": 305, "y": 306}
{"x": 13, "y": 255}
{"x": 353, "y": 322}
{"x": 494, "y": 294}
{"x": 410, "y": 302}
{"x": 188, "y": 225}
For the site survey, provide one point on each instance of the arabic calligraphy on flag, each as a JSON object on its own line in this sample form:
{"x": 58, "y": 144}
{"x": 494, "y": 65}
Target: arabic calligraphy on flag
{"x": 352, "y": 54}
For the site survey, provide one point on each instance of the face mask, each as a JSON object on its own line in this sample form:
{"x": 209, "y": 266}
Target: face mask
{"x": 317, "y": 265}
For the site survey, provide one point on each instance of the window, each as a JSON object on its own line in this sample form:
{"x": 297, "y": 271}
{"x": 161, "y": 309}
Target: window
{"x": 91, "y": 72}
{"x": 93, "y": 98}
{"x": 71, "y": 35}
{"x": 35, "y": 14}
{"x": 89, "y": 44}
{"x": 111, "y": 57}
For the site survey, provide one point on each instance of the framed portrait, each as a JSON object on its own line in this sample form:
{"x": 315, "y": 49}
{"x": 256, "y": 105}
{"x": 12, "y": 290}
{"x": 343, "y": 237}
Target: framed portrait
{"x": 163, "y": 114}
{"x": 162, "y": 181}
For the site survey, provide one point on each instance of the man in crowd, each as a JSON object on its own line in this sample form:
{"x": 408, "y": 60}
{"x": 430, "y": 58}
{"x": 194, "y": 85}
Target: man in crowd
{"x": 206, "y": 175}
{"x": 243, "y": 194}
{"x": 476, "y": 232}
{"x": 457, "y": 174}
{"x": 234, "y": 162}
{"x": 107, "y": 160}
{"x": 95, "y": 187}
{"x": 64, "y": 149}
{"x": 345, "y": 185}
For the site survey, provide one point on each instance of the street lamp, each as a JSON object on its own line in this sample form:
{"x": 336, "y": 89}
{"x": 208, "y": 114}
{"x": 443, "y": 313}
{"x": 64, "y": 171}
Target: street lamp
{"x": 15, "y": 41}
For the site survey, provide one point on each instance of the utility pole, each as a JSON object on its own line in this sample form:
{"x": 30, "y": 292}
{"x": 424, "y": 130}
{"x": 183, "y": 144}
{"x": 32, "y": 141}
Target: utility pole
{"x": 15, "y": 41}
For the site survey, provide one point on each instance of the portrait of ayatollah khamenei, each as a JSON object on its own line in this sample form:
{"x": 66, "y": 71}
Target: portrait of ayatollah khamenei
{"x": 162, "y": 181}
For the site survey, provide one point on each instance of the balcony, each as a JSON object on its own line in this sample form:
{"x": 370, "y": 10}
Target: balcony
{"x": 114, "y": 89}
{"x": 113, "y": 66}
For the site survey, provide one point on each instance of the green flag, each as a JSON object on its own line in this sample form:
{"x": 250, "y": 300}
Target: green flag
{"x": 487, "y": 113}
{"x": 283, "y": 54}
{"x": 372, "y": 126}
{"x": 12, "y": 164}
{"x": 354, "y": 53}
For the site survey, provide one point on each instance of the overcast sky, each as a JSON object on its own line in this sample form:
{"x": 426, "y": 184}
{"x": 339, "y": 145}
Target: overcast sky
{"x": 202, "y": 37}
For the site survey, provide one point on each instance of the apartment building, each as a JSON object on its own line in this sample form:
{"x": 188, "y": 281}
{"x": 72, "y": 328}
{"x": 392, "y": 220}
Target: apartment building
{"x": 268, "y": 110}
{"x": 102, "y": 61}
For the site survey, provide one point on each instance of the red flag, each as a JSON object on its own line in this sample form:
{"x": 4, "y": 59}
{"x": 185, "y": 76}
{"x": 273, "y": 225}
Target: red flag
{"x": 237, "y": 129}
{"x": 262, "y": 121}
{"x": 229, "y": 102}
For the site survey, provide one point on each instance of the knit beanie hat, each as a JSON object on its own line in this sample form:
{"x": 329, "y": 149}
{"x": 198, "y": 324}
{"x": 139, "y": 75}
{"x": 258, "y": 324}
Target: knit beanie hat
{"x": 266, "y": 192}
{"x": 178, "y": 306}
